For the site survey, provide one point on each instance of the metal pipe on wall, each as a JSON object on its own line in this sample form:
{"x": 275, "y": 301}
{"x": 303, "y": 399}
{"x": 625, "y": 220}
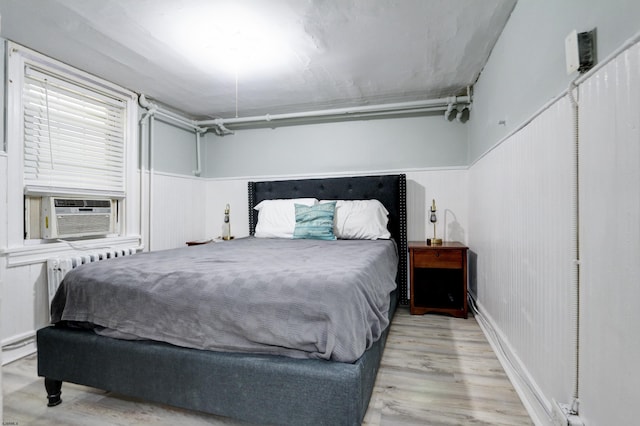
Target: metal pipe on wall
{"x": 359, "y": 111}
{"x": 169, "y": 118}
{"x": 219, "y": 125}
{"x": 153, "y": 110}
{"x": 146, "y": 117}
{"x": 151, "y": 121}
{"x": 198, "y": 171}
{"x": 142, "y": 168}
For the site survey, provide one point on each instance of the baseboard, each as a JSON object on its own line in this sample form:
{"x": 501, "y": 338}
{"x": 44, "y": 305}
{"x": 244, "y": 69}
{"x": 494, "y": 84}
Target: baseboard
{"x": 530, "y": 394}
{"x": 10, "y": 355}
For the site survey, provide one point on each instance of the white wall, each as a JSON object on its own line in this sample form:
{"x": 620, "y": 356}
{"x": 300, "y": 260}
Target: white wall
{"x": 447, "y": 186}
{"x": 518, "y": 215}
{"x": 3, "y": 208}
{"x": 178, "y": 213}
{"x": 522, "y": 239}
{"x": 3, "y": 205}
{"x": 177, "y": 197}
{"x": 527, "y": 65}
{"x": 3, "y": 227}
{"x": 174, "y": 149}
{"x": 610, "y": 242}
{"x": 524, "y": 235}
{"x": 430, "y": 150}
{"x": 350, "y": 146}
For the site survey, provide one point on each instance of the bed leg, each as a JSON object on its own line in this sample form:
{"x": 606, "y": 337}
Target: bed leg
{"x": 53, "y": 388}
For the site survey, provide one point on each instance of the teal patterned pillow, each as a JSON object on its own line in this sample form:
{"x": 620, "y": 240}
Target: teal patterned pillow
{"x": 315, "y": 222}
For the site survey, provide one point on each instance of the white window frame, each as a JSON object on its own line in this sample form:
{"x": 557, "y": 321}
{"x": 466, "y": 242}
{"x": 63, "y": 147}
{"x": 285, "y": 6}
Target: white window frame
{"x": 73, "y": 137}
{"x": 17, "y": 58}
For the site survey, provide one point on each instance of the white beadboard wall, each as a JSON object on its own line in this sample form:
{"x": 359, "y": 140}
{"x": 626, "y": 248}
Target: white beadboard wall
{"x": 221, "y": 192}
{"x": 449, "y": 189}
{"x": 26, "y": 289}
{"x": 22, "y": 291}
{"x": 610, "y": 242}
{"x": 447, "y": 186}
{"x": 522, "y": 242}
{"x": 521, "y": 210}
{"x": 178, "y": 210}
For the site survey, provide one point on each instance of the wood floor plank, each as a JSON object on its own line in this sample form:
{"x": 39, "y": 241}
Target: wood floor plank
{"x": 436, "y": 370}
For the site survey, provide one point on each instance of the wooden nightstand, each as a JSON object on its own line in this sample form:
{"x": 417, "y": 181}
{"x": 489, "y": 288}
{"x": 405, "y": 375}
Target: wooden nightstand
{"x": 438, "y": 278}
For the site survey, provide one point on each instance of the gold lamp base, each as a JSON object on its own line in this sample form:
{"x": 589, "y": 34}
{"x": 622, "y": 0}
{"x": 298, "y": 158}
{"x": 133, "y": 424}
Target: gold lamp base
{"x": 434, "y": 241}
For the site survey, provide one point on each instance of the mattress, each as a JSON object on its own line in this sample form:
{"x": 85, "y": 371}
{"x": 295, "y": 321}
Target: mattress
{"x": 298, "y": 298}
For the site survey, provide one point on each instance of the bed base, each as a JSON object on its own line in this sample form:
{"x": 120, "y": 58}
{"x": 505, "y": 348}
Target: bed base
{"x": 263, "y": 389}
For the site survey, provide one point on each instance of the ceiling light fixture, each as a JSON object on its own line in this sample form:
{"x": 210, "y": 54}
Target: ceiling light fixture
{"x": 233, "y": 40}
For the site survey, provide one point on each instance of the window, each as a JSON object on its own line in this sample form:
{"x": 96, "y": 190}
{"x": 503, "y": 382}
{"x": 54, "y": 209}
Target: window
{"x": 70, "y": 134}
{"x": 73, "y": 136}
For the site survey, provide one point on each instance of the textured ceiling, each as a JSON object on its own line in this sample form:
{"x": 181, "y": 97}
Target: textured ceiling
{"x": 223, "y": 58}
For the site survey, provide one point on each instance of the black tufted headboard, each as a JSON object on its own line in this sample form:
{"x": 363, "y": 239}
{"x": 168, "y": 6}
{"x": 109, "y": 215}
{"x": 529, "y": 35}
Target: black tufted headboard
{"x": 390, "y": 190}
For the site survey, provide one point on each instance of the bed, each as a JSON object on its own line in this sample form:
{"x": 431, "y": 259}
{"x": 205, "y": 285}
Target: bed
{"x": 251, "y": 384}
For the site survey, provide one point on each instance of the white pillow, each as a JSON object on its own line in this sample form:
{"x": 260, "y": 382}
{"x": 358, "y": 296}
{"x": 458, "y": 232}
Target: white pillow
{"x": 277, "y": 218}
{"x": 360, "y": 220}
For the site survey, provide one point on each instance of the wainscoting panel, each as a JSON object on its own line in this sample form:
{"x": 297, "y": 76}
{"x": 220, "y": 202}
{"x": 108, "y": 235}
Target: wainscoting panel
{"x": 25, "y": 288}
{"x": 522, "y": 236}
{"x": 610, "y": 241}
{"x": 447, "y": 186}
{"x": 178, "y": 212}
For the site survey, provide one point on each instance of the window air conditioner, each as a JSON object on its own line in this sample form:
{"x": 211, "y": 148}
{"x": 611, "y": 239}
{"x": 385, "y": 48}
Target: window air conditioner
{"x": 76, "y": 217}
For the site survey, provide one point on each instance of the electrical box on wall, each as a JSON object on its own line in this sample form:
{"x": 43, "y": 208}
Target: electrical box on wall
{"x": 580, "y": 51}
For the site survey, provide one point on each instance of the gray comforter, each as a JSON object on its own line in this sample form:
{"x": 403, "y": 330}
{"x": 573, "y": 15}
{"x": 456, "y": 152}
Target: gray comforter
{"x": 298, "y": 298}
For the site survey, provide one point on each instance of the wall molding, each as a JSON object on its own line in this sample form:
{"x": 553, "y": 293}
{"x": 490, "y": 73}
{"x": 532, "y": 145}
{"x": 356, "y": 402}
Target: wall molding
{"x": 581, "y": 78}
{"x": 530, "y": 394}
{"x": 337, "y": 174}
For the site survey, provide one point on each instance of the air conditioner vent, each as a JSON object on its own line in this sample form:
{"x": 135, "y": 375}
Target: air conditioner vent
{"x": 70, "y": 202}
{"x": 76, "y": 217}
{"x": 97, "y": 203}
{"x": 81, "y": 225}
{"x": 60, "y": 202}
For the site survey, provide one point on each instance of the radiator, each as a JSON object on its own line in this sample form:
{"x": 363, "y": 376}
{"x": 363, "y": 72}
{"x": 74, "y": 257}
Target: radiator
{"x": 58, "y": 267}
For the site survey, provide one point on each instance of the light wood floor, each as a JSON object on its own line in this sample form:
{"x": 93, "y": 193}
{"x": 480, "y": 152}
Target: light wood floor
{"x": 436, "y": 370}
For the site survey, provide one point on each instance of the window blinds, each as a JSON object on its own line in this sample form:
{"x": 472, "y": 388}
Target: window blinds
{"x": 73, "y": 136}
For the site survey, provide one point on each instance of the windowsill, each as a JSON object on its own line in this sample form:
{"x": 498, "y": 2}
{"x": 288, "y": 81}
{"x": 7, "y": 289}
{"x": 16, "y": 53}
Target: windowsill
{"x": 35, "y": 253}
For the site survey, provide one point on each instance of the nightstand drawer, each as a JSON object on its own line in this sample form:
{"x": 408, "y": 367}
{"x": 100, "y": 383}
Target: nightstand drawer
{"x": 437, "y": 259}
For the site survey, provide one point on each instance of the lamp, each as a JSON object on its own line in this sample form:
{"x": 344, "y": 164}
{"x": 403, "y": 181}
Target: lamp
{"x": 226, "y": 228}
{"x": 433, "y": 219}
